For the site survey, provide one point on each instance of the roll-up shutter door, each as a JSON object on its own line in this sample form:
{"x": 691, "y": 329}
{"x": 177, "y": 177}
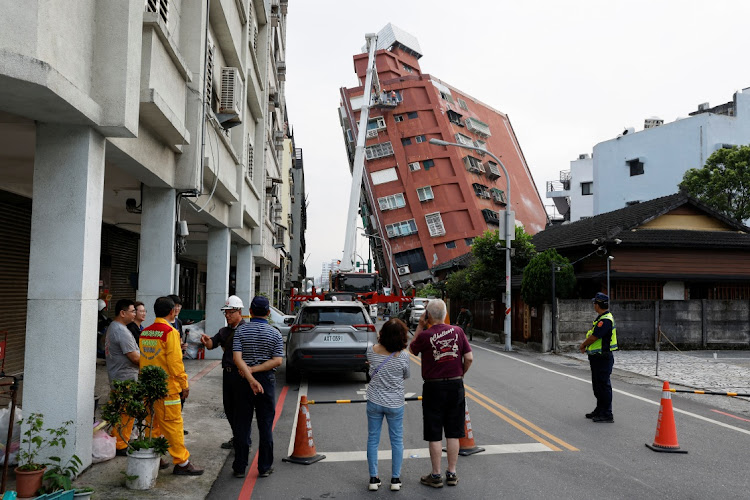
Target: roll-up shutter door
{"x": 119, "y": 264}
{"x": 15, "y": 237}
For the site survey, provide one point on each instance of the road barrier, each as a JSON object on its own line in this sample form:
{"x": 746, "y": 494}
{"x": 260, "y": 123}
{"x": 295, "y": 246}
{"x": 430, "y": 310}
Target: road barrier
{"x": 714, "y": 393}
{"x": 348, "y": 401}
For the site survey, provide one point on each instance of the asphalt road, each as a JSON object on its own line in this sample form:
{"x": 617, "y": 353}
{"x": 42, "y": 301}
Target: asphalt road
{"x": 527, "y": 411}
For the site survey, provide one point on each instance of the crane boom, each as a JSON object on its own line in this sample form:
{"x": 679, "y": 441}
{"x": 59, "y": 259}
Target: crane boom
{"x": 347, "y": 262}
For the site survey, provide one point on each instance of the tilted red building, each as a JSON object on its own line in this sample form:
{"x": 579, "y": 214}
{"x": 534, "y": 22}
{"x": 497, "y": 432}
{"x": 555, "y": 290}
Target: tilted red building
{"x": 429, "y": 202}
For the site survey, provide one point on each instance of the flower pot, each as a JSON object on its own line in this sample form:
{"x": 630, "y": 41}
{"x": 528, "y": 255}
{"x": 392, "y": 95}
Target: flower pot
{"x": 82, "y": 495}
{"x": 28, "y": 482}
{"x": 143, "y": 467}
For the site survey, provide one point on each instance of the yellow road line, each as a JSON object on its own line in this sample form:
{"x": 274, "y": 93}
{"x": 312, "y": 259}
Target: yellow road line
{"x": 476, "y": 397}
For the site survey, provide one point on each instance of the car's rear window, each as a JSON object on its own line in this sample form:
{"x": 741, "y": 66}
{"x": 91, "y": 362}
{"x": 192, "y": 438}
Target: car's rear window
{"x": 332, "y": 316}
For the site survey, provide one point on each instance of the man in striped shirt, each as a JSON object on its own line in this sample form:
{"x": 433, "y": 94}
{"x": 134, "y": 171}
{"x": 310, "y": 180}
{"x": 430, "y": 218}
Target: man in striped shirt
{"x": 258, "y": 350}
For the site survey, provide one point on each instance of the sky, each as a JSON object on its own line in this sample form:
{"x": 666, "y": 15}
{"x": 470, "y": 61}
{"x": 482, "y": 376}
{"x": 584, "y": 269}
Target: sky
{"x": 568, "y": 74}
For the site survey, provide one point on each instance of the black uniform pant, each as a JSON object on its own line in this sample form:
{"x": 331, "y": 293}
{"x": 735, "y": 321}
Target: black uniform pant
{"x": 231, "y": 385}
{"x": 264, "y": 407}
{"x": 601, "y": 370}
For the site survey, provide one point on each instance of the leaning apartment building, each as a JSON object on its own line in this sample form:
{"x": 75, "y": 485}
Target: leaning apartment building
{"x": 144, "y": 150}
{"x": 422, "y": 204}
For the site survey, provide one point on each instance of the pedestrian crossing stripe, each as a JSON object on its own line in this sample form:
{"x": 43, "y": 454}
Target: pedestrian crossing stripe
{"x": 492, "y": 449}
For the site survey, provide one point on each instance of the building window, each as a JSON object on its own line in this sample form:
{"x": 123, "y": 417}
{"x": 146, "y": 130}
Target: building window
{"x": 380, "y": 150}
{"x": 636, "y": 167}
{"x": 435, "y": 224}
{"x": 454, "y": 118}
{"x": 408, "y": 68}
{"x": 481, "y": 191}
{"x": 420, "y": 138}
{"x": 398, "y": 118}
{"x": 392, "y": 202}
{"x": 414, "y": 166}
{"x": 450, "y": 244}
{"x": 425, "y": 193}
{"x": 446, "y": 96}
{"x": 428, "y": 164}
{"x": 403, "y": 228}
{"x": 349, "y": 135}
{"x": 377, "y": 123}
{"x": 462, "y": 104}
{"x": 411, "y": 115}
{"x": 406, "y": 141}
{"x": 587, "y": 188}
{"x": 469, "y": 241}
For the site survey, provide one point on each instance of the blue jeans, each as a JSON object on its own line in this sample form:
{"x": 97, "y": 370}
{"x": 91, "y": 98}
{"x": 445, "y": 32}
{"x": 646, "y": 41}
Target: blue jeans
{"x": 395, "y": 417}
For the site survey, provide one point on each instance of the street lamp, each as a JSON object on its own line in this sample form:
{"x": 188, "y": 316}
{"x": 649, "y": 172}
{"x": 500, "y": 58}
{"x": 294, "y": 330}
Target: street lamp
{"x": 390, "y": 255}
{"x": 609, "y": 259}
{"x": 508, "y": 229}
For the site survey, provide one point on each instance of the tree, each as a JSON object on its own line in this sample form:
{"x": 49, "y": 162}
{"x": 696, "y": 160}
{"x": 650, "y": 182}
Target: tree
{"x": 487, "y": 271}
{"x": 458, "y": 286}
{"x": 536, "y": 287}
{"x": 429, "y": 290}
{"x": 723, "y": 183}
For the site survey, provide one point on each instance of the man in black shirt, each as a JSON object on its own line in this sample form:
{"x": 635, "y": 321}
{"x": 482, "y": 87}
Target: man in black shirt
{"x": 224, "y": 338}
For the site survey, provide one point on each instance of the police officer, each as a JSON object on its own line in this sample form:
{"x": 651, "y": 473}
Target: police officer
{"x": 232, "y": 310}
{"x": 601, "y": 341}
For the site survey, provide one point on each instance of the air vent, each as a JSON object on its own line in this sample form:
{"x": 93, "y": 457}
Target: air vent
{"x": 402, "y": 270}
{"x": 231, "y": 92}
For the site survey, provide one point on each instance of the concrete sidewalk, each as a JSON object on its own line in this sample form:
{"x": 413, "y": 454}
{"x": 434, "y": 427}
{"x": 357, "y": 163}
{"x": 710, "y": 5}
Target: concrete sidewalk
{"x": 208, "y": 428}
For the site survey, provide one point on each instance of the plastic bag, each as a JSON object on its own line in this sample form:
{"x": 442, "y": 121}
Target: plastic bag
{"x": 103, "y": 447}
{"x": 15, "y": 441}
{"x": 193, "y": 333}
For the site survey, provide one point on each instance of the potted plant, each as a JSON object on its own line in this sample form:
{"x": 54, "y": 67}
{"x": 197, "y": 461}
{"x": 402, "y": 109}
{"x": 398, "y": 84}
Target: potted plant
{"x": 136, "y": 399}
{"x": 35, "y": 439}
{"x": 60, "y": 476}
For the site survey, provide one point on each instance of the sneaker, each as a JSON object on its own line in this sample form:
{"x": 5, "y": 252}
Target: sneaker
{"x": 163, "y": 464}
{"x": 188, "y": 470}
{"x": 122, "y": 453}
{"x": 603, "y": 419}
{"x": 266, "y": 472}
{"x": 229, "y": 445}
{"x": 451, "y": 478}
{"x": 395, "y": 484}
{"x": 434, "y": 480}
{"x": 592, "y": 414}
{"x": 374, "y": 484}
{"x": 238, "y": 473}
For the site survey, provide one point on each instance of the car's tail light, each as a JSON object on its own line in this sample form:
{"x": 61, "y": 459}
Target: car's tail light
{"x": 365, "y": 328}
{"x": 301, "y": 328}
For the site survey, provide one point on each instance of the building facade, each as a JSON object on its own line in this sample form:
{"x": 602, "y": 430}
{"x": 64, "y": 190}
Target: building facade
{"x": 141, "y": 143}
{"x": 422, "y": 204}
{"x": 651, "y": 162}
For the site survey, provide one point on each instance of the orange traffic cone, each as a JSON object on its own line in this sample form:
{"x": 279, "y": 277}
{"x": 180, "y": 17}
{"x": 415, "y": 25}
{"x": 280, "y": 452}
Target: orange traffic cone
{"x": 666, "y": 434}
{"x": 304, "y": 445}
{"x": 466, "y": 445}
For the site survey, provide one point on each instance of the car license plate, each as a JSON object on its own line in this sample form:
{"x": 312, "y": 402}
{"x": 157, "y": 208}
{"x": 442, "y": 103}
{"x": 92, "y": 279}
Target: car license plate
{"x": 333, "y": 338}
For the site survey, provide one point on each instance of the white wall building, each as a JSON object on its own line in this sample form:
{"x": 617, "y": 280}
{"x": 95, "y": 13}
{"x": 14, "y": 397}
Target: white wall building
{"x": 166, "y": 123}
{"x": 573, "y": 194}
{"x": 643, "y": 165}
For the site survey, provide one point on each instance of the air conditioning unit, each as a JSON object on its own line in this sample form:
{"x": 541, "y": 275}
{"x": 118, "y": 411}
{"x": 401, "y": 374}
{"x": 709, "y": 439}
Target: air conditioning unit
{"x": 281, "y": 70}
{"x": 231, "y": 92}
{"x": 485, "y": 195}
{"x": 402, "y": 270}
{"x": 372, "y": 133}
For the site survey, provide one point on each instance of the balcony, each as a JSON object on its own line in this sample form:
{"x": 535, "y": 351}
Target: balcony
{"x": 478, "y": 127}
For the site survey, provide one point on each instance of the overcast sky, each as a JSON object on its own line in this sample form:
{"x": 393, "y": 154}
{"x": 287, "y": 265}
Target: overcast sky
{"x": 569, "y": 75}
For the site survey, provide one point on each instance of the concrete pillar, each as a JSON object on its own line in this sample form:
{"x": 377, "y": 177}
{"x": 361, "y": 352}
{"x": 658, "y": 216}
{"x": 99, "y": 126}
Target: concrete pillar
{"x": 245, "y": 275}
{"x": 157, "y": 250}
{"x": 217, "y": 282}
{"x": 266, "y": 281}
{"x": 66, "y": 219}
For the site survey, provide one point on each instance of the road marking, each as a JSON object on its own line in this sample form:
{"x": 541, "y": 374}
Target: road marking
{"x": 475, "y": 397}
{"x": 619, "y": 391}
{"x": 730, "y": 415}
{"x": 492, "y": 449}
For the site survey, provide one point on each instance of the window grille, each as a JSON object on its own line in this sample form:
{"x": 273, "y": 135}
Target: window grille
{"x": 425, "y": 193}
{"x": 379, "y": 150}
{"x": 435, "y": 224}
{"x": 392, "y": 202}
{"x": 160, "y": 7}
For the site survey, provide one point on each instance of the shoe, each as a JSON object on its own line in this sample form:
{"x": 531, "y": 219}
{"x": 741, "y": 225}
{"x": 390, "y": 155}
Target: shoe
{"x": 238, "y": 473}
{"x": 451, "y": 478}
{"x": 266, "y": 472}
{"x": 436, "y": 481}
{"x": 122, "y": 453}
{"x": 163, "y": 464}
{"x": 374, "y": 484}
{"x": 229, "y": 445}
{"x": 592, "y": 414}
{"x": 395, "y": 484}
{"x": 188, "y": 470}
{"x": 603, "y": 419}
{"x": 184, "y": 432}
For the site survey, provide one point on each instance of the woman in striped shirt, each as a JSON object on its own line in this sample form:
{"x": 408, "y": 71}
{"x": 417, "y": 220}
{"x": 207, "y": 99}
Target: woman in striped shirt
{"x": 389, "y": 367}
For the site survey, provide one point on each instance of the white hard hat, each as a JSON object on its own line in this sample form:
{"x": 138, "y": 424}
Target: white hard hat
{"x": 334, "y": 298}
{"x": 101, "y": 304}
{"x": 233, "y": 302}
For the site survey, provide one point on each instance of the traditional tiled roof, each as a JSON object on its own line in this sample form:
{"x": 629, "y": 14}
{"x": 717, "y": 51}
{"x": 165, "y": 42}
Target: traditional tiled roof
{"x": 621, "y": 224}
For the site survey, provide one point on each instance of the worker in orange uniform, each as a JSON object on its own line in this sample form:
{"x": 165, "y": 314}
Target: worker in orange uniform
{"x": 160, "y": 346}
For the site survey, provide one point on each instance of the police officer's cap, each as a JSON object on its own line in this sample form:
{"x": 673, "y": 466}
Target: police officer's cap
{"x": 601, "y": 298}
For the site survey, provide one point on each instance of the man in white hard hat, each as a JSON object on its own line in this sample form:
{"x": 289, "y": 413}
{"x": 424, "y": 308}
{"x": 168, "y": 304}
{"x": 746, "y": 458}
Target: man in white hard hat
{"x": 225, "y": 337}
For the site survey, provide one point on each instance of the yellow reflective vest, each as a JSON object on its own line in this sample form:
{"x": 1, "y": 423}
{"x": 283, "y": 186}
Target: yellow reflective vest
{"x": 596, "y": 347}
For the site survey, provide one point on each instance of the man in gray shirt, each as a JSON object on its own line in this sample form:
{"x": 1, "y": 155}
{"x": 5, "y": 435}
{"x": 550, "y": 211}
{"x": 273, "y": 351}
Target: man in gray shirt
{"x": 123, "y": 357}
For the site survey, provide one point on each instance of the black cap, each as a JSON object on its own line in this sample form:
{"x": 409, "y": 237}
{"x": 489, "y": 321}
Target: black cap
{"x": 600, "y": 298}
